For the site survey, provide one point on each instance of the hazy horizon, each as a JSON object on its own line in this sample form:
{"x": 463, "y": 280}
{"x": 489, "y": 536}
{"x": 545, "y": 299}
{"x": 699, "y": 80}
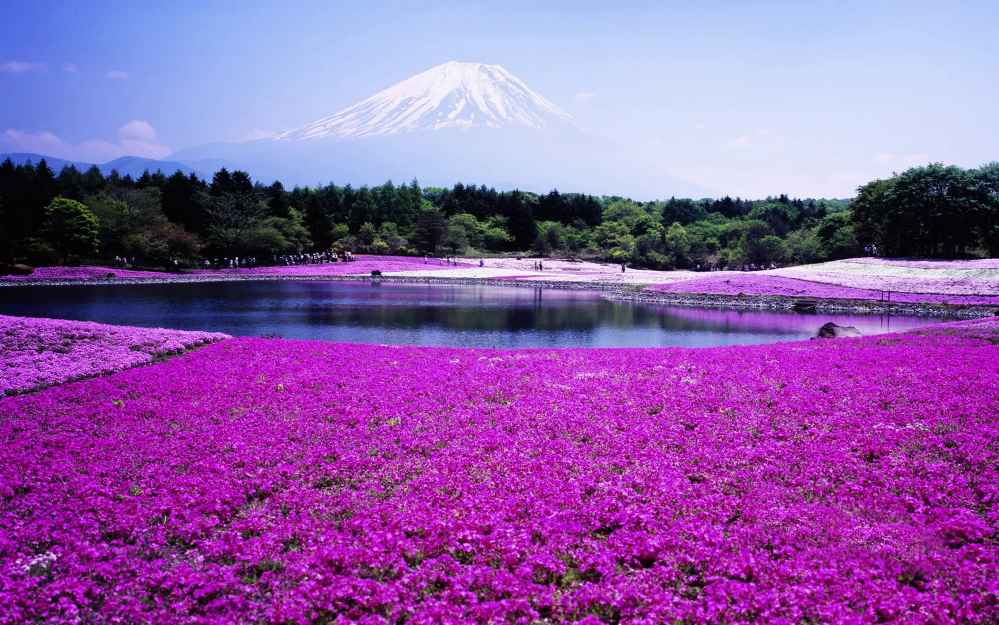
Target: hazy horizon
{"x": 749, "y": 99}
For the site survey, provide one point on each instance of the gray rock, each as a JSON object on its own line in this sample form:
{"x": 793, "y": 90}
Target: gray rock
{"x": 833, "y": 331}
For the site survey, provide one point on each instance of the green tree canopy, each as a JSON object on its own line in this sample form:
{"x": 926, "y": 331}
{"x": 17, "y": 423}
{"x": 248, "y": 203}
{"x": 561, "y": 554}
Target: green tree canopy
{"x": 935, "y": 211}
{"x": 71, "y": 229}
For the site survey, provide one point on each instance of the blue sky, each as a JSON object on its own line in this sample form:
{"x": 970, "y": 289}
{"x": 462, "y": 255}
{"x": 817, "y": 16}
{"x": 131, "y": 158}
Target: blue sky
{"x": 748, "y": 98}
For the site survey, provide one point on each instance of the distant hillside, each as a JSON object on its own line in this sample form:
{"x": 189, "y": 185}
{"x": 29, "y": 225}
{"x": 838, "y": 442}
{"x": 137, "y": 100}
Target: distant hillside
{"x": 135, "y": 165}
{"x": 20, "y": 158}
{"x": 126, "y": 165}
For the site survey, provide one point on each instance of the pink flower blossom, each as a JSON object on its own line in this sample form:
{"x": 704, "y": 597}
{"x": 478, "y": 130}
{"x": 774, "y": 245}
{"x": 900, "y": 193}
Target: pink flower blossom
{"x": 296, "y": 482}
{"x": 39, "y": 352}
{"x": 362, "y": 265}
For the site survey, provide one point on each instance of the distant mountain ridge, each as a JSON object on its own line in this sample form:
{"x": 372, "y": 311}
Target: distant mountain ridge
{"x": 133, "y": 166}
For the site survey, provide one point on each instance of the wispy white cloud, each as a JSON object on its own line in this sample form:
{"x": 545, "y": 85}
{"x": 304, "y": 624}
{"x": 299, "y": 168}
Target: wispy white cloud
{"x": 137, "y": 130}
{"x": 584, "y": 96}
{"x": 116, "y": 74}
{"x": 20, "y": 67}
{"x": 39, "y": 142}
{"x": 135, "y": 138}
{"x": 138, "y": 138}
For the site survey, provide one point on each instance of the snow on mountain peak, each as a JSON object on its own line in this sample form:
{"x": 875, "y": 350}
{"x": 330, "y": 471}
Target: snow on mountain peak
{"x": 450, "y": 95}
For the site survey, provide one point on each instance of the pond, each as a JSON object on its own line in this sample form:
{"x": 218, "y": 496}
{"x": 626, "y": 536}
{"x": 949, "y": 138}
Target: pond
{"x": 463, "y": 316}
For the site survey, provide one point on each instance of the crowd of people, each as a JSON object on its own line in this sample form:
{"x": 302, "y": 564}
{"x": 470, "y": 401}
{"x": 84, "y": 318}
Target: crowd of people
{"x": 287, "y": 260}
{"x": 319, "y": 258}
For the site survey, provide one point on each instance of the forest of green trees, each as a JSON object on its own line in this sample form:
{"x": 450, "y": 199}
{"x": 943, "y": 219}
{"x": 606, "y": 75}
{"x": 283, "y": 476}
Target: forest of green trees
{"x": 175, "y": 221}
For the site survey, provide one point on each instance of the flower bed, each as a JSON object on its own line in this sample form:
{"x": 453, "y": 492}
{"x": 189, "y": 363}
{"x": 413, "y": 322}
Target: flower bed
{"x": 362, "y": 265}
{"x": 39, "y": 352}
{"x": 951, "y": 277}
{"x": 86, "y": 272}
{"x": 274, "y": 481}
{"x": 762, "y": 284}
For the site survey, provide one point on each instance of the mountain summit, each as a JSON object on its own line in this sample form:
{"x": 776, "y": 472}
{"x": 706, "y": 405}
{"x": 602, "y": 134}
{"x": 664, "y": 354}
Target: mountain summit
{"x": 467, "y": 122}
{"x": 450, "y": 95}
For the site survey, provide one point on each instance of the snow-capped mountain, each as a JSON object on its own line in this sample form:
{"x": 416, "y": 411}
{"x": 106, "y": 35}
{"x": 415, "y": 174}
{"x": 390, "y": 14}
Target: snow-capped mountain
{"x": 467, "y": 122}
{"x": 450, "y": 95}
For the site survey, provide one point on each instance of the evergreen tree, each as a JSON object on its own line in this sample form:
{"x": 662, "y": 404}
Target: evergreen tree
{"x": 277, "y": 200}
{"x": 222, "y": 182}
{"x": 181, "y": 203}
{"x": 70, "y": 183}
{"x": 430, "y": 229}
{"x": 92, "y": 181}
{"x": 519, "y": 212}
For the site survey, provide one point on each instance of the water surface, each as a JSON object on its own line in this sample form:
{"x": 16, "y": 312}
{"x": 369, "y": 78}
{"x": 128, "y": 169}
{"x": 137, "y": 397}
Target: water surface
{"x": 466, "y": 316}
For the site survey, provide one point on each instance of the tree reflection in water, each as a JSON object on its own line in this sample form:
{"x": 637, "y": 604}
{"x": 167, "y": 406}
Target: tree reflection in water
{"x": 481, "y": 316}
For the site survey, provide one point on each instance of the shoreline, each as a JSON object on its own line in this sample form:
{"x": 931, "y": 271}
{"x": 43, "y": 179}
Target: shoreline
{"x": 634, "y": 293}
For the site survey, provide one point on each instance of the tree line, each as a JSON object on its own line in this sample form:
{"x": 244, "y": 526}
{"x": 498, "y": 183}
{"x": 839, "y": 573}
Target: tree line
{"x": 162, "y": 221}
{"x": 935, "y": 211}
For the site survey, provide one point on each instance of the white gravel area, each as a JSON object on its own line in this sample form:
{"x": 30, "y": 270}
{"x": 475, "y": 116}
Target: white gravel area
{"x": 950, "y": 277}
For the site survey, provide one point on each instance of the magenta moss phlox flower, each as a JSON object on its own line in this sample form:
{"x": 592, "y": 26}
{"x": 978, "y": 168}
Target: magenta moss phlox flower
{"x": 362, "y": 265}
{"x": 278, "y": 481}
{"x": 39, "y": 352}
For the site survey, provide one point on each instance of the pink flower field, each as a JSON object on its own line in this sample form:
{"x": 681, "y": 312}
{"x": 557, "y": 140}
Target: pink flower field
{"x": 362, "y": 265}
{"x": 762, "y": 284}
{"x": 293, "y": 482}
{"x": 40, "y": 352}
{"x": 86, "y": 272}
